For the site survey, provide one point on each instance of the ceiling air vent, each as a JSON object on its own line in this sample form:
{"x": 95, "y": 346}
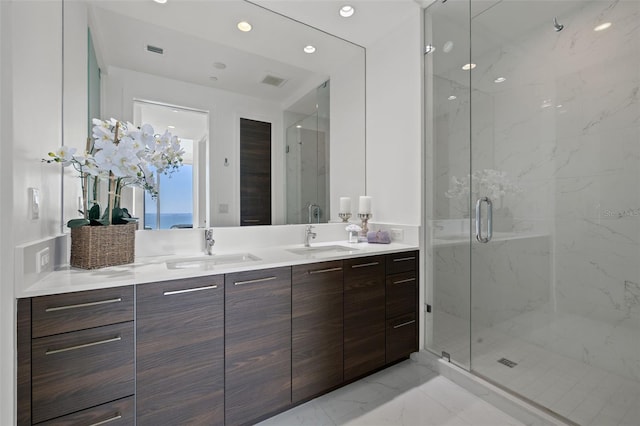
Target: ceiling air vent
{"x": 155, "y": 49}
{"x": 272, "y": 80}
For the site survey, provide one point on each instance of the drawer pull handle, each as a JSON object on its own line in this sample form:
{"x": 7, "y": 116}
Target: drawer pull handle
{"x": 83, "y": 305}
{"x": 404, "y": 323}
{"x": 259, "y": 280}
{"x": 109, "y": 420}
{"x": 86, "y": 345}
{"x": 189, "y": 290}
{"x": 408, "y": 280}
{"x": 364, "y": 265}
{"x": 251, "y": 220}
{"x": 322, "y": 271}
{"x": 403, "y": 259}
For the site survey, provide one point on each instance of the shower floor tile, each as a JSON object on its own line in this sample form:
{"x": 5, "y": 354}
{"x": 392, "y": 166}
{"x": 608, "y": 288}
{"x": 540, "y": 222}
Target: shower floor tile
{"x": 575, "y": 390}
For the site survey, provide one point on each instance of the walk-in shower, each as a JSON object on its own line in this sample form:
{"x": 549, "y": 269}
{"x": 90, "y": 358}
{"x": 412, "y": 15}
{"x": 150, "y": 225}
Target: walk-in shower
{"x": 535, "y": 105}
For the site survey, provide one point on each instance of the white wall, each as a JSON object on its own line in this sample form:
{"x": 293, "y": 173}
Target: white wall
{"x": 347, "y": 139}
{"x": 394, "y": 126}
{"x": 31, "y": 96}
{"x": 7, "y": 310}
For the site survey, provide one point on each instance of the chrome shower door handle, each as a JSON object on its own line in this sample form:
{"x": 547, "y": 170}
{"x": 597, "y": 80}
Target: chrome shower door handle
{"x": 479, "y": 236}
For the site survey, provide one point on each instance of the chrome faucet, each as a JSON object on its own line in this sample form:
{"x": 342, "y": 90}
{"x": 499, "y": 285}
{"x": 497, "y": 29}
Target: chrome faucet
{"x": 314, "y": 211}
{"x": 308, "y": 234}
{"x": 208, "y": 241}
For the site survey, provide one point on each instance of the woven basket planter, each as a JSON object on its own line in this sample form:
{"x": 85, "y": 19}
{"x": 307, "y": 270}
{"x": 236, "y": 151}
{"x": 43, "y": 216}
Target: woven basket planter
{"x": 95, "y": 247}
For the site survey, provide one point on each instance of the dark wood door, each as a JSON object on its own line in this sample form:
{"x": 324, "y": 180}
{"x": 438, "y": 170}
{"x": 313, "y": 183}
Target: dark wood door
{"x": 255, "y": 172}
{"x": 364, "y": 315}
{"x": 317, "y": 338}
{"x": 180, "y": 349}
{"x": 257, "y": 344}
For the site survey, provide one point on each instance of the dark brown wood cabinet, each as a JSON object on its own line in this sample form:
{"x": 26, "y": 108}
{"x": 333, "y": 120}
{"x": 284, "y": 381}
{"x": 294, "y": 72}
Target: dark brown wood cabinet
{"x": 180, "y": 352}
{"x": 364, "y": 315}
{"x": 317, "y": 328}
{"x": 257, "y": 344}
{"x": 82, "y": 352}
{"x": 213, "y": 350}
{"x": 402, "y": 305}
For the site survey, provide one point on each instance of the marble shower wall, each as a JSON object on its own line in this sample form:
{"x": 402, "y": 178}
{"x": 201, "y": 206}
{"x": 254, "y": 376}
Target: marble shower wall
{"x": 565, "y": 127}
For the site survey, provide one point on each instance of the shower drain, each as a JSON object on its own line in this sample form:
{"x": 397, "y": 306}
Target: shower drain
{"x": 507, "y": 362}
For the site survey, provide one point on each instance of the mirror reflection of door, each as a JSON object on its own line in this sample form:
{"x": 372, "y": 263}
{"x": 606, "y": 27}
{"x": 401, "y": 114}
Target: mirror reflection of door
{"x": 255, "y": 172}
{"x": 181, "y": 202}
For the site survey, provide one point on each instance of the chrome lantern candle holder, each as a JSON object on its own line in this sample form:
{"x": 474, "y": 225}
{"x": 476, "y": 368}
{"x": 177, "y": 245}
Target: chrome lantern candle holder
{"x": 345, "y": 217}
{"x": 364, "y": 217}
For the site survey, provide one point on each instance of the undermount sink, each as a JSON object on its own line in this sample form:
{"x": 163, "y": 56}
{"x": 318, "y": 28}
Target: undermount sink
{"x": 209, "y": 262}
{"x": 318, "y": 250}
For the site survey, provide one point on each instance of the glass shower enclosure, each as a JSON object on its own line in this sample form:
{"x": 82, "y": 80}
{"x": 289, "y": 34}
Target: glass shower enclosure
{"x": 307, "y": 157}
{"x": 532, "y": 201}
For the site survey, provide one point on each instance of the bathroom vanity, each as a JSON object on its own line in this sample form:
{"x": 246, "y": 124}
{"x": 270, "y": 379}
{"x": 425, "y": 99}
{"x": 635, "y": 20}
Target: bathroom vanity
{"x": 231, "y": 344}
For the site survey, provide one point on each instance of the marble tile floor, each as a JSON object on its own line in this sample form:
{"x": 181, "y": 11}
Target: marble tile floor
{"x": 406, "y": 394}
{"x": 582, "y": 393}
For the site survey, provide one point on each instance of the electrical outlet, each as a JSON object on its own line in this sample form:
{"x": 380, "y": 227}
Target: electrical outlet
{"x": 42, "y": 260}
{"x": 397, "y": 234}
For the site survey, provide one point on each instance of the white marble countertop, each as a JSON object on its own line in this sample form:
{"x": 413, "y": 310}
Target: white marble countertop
{"x": 154, "y": 268}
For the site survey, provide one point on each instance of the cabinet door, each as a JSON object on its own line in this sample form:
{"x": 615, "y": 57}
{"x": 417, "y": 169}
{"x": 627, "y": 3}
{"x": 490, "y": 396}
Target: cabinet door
{"x": 257, "y": 344}
{"x": 364, "y": 315}
{"x": 180, "y": 349}
{"x": 317, "y": 345}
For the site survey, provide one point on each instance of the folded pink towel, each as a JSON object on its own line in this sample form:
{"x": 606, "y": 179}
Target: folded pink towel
{"x": 380, "y": 237}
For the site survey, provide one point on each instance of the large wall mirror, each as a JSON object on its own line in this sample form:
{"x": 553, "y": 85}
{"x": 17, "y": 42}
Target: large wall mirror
{"x": 268, "y": 127}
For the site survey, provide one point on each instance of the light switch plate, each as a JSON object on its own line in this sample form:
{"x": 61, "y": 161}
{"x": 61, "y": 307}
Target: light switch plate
{"x": 34, "y": 203}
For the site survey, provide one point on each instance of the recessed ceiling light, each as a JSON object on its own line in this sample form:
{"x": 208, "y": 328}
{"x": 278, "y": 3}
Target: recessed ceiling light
{"x": 213, "y": 78}
{"x": 171, "y": 127}
{"x": 219, "y": 65}
{"x": 244, "y": 26}
{"x": 452, "y": 97}
{"x": 298, "y": 127}
{"x": 346, "y": 11}
{"x": 160, "y": 1}
{"x": 559, "y": 106}
{"x": 175, "y": 110}
{"x": 602, "y": 26}
{"x": 309, "y": 49}
{"x": 500, "y": 80}
{"x": 468, "y": 67}
{"x": 429, "y": 48}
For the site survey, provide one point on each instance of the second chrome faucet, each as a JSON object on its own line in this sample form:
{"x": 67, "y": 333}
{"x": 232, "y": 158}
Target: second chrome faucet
{"x": 308, "y": 234}
{"x": 208, "y": 241}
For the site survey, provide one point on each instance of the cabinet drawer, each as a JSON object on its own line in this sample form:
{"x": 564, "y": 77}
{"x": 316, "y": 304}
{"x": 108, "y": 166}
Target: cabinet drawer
{"x": 402, "y": 262}
{"x": 401, "y": 337}
{"x": 74, "y": 371}
{"x": 62, "y": 313}
{"x": 401, "y": 293}
{"x": 116, "y": 413}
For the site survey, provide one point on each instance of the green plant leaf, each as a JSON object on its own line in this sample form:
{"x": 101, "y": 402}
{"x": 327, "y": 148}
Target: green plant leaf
{"x": 76, "y": 223}
{"x": 94, "y": 212}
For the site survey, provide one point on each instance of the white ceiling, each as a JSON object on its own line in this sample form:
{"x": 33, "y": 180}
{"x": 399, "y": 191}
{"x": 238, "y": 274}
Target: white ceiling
{"x": 370, "y": 22}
